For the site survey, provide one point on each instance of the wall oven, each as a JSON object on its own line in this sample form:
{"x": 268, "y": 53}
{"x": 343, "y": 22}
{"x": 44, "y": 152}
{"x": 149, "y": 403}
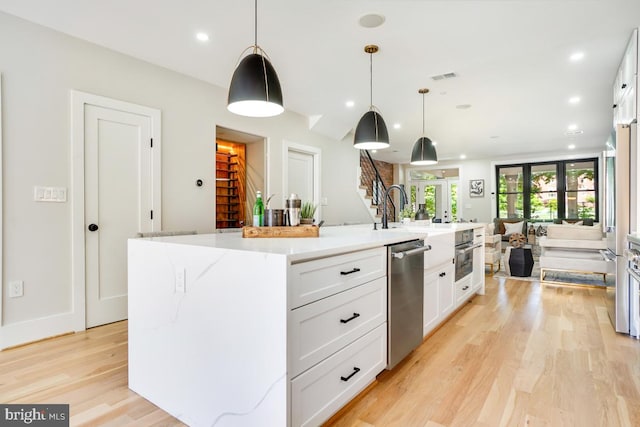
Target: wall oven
{"x": 632, "y": 255}
{"x": 464, "y": 253}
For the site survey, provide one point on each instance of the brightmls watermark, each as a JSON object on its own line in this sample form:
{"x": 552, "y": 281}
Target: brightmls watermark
{"x": 54, "y": 415}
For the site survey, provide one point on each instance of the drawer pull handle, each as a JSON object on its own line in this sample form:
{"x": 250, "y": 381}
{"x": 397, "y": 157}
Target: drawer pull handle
{"x": 465, "y": 288}
{"x": 355, "y": 316}
{"x": 344, "y": 273}
{"x": 355, "y": 371}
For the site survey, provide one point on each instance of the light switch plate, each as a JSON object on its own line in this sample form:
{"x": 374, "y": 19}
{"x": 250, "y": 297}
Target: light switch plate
{"x": 49, "y": 194}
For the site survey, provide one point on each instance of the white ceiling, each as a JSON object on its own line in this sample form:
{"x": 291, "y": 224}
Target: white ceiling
{"x": 511, "y": 57}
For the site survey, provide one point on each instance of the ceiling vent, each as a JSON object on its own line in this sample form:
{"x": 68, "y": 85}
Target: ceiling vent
{"x": 573, "y": 132}
{"x": 444, "y": 76}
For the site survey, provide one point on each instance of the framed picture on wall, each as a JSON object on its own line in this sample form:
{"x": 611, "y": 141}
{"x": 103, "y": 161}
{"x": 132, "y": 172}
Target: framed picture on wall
{"x": 476, "y": 188}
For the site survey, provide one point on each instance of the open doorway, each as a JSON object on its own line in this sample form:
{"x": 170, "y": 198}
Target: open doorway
{"x": 240, "y": 173}
{"x": 437, "y": 189}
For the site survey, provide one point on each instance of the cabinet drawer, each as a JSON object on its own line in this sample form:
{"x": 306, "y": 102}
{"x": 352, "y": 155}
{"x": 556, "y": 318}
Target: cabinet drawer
{"x": 463, "y": 289}
{"x": 322, "y": 390}
{"x": 319, "y": 329}
{"x": 313, "y": 280}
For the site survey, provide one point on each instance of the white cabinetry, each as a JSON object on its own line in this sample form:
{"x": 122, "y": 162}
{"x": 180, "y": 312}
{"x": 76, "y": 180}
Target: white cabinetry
{"x": 445, "y": 289}
{"x": 438, "y": 280}
{"x": 438, "y": 295}
{"x": 477, "y": 280}
{"x": 625, "y": 84}
{"x": 463, "y": 289}
{"x": 337, "y": 331}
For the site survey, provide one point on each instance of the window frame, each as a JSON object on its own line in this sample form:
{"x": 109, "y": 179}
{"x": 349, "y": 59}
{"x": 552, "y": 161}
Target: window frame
{"x": 561, "y": 185}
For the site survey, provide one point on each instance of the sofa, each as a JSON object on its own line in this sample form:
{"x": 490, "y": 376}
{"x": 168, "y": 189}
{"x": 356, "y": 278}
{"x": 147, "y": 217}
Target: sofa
{"x": 507, "y": 226}
{"x": 573, "y": 248}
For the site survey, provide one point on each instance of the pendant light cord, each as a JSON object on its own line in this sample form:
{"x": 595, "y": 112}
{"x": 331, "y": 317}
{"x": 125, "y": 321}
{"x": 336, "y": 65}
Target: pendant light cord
{"x": 255, "y": 23}
{"x": 423, "y": 114}
{"x": 371, "y": 79}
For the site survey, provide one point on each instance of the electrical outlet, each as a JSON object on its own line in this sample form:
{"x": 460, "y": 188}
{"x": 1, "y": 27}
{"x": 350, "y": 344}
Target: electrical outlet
{"x": 16, "y": 289}
{"x": 180, "y": 280}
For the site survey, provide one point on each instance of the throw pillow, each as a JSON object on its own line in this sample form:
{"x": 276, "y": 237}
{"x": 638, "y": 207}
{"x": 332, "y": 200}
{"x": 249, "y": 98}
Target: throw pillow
{"x": 571, "y": 223}
{"x": 512, "y": 227}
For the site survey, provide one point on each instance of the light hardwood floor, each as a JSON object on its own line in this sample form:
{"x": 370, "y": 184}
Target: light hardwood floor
{"x": 523, "y": 355}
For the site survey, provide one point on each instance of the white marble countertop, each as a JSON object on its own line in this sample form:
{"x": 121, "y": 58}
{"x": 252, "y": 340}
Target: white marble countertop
{"x": 333, "y": 240}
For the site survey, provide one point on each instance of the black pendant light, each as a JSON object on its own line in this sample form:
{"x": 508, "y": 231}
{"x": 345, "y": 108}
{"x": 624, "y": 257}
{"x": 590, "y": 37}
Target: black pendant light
{"x": 371, "y": 132}
{"x": 423, "y": 153}
{"x": 255, "y": 89}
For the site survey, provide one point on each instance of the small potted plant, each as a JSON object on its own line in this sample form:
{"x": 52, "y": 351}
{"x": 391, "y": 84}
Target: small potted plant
{"x": 306, "y": 213}
{"x": 407, "y": 214}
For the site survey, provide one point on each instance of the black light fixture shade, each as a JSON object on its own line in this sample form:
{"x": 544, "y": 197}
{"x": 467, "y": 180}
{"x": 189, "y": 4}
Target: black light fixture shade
{"x": 424, "y": 153}
{"x": 371, "y": 132}
{"x": 255, "y": 89}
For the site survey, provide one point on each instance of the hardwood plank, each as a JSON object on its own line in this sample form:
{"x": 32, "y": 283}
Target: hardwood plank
{"x": 524, "y": 354}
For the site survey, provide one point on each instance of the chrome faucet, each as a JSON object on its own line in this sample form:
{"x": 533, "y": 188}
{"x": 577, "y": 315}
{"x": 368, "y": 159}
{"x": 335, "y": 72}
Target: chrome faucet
{"x": 385, "y": 221}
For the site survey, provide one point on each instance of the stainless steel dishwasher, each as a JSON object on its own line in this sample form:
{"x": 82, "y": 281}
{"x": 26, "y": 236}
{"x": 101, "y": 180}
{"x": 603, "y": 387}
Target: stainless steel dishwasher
{"x": 405, "y": 290}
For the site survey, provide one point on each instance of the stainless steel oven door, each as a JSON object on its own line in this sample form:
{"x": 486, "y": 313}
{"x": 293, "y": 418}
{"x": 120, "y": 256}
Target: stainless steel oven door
{"x": 464, "y": 261}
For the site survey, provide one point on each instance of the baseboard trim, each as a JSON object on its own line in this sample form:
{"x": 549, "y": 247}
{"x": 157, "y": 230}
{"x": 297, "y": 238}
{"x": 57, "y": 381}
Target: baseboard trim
{"x": 16, "y": 334}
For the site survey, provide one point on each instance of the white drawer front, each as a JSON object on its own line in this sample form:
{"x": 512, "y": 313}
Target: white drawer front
{"x": 321, "y": 391}
{"x": 318, "y": 330}
{"x": 313, "y": 280}
{"x": 463, "y": 289}
{"x": 442, "y": 249}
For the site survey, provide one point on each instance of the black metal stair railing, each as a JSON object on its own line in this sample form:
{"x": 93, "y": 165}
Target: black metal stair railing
{"x": 379, "y": 192}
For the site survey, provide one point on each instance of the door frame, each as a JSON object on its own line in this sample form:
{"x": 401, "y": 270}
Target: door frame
{"x": 78, "y": 262}
{"x": 317, "y": 176}
{"x": 445, "y": 184}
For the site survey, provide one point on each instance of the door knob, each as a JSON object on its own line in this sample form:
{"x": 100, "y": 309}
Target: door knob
{"x": 93, "y": 227}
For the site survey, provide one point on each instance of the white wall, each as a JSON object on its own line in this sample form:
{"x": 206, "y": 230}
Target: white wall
{"x": 39, "y": 68}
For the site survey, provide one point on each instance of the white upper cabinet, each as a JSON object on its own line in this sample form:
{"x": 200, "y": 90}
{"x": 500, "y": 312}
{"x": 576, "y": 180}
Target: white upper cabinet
{"x": 625, "y": 86}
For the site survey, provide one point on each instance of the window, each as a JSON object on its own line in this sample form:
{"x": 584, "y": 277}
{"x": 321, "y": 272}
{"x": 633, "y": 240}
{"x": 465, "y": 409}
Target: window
{"x": 549, "y": 190}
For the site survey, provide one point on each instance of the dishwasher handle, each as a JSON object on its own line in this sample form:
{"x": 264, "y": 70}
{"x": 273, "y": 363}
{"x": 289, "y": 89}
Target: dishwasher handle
{"x": 410, "y": 252}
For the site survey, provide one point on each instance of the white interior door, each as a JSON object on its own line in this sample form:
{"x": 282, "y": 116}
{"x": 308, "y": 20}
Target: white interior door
{"x": 118, "y": 204}
{"x": 300, "y": 180}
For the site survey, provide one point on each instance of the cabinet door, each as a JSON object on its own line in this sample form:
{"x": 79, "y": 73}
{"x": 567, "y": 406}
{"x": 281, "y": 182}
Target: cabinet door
{"x": 446, "y": 290}
{"x": 478, "y": 259}
{"x": 431, "y": 311}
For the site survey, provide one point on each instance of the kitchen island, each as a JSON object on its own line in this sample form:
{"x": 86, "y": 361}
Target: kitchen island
{"x": 229, "y": 331}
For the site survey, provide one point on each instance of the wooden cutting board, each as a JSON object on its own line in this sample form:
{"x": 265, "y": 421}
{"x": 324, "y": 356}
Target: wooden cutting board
{"x": 272, "y": 232}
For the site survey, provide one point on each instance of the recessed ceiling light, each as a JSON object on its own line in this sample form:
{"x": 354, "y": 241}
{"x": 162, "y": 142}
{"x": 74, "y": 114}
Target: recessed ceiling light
{"x": 576, "y": 56}
{"x": 397, "y": 126}
{"x": 203, "y": 37}
{"x": 574, "y": 100}
{"x": 571, "y": 146}
{"x": 572, "y": 127}
{"x": 371, "y": 20}
{"x": 463, "y": 106}
{"x": 350, "y": 104}
{"x": 463, "y": 156}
